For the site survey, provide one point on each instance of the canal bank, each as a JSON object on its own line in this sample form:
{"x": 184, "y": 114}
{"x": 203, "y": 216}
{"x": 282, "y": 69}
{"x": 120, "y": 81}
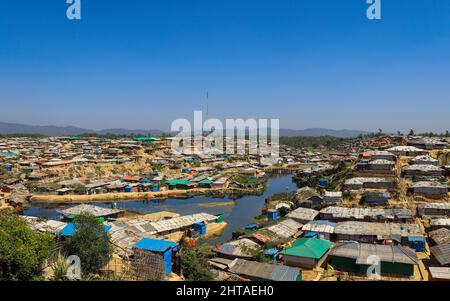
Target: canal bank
{"x": 236, "y": 212}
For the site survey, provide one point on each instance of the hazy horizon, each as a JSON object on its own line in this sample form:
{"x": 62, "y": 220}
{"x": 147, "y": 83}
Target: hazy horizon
{"x": 282, "y": 128}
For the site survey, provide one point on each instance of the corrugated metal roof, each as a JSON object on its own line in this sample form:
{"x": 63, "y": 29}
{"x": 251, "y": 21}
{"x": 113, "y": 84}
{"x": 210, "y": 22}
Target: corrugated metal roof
{"x": 182, "y": 221}
{"x": 445, "y": 206}
{"x": 264, "y": 270}
{"x": 91, "y": 209}
{"x": 362, "y": 213}
{"x": 382, "y": 230}
{"x": 362, "y": 251}
{"x": 286, "y": 228}
{"x": 441, "y": 253}
{"x": 303, "y": 214}
{"x": 440, "y": 236}
{"x": 320, "y": 227}
{"x": 241, "y": 247}
{"x": 440, "y": 272}
{"x": 45, "y": 225}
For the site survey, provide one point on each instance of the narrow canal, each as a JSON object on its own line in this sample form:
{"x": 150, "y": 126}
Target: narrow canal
{"x": 237, "y": 213}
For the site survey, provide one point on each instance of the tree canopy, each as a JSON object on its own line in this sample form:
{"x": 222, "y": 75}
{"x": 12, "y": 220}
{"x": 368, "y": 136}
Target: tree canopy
{"x": 314, "y": 142}
{"x": 22, "y": 251}
{"x": 194, "y": 262}
{"x": 90, "y": 242}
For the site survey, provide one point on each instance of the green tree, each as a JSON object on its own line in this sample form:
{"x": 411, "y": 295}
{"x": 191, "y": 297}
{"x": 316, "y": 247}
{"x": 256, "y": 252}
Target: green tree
{"x": 283, "y": 211}
{"x": 22, "y": 251}
{"x": 80, "y": 189}
{"x": 90, "y": 242}
{"x": 194, "y": 261}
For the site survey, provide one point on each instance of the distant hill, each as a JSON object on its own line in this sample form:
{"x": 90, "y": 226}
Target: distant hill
{"x": 317, "y": 132}
{"x": 129, "y": 132}
{"x": 50, "y": 130}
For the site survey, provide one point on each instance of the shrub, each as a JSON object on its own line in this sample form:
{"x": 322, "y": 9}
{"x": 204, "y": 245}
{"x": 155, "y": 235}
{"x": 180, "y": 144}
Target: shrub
{"x": 194, "y": 261}
{"x": 90, "y": 242}
{"x": 22, "y": 251}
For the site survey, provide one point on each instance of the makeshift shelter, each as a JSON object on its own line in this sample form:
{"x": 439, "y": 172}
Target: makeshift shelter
{"x": 355, "y": 258}
{"x": 162, "y": 248}
{"x": 179, "y": 184}
{"x": 440, "y": 236}
{"x": 255, "y": 271}
{"x": 206, "y": 183}
{"x": 439, "y": 274}
{"x": 241, "y": 248}
{"x": 441, "y": 253}
{"x": 49, "y": 226}
{"x": 375, "y": 198}
{"x": 370, "y": 183}
{"x": 97, "y": 211}
{"x": 306, "y": 252}
{"x": 286, "y": 228}
{"x": 322, "y": 228}
{"x": 366, "y": 214}
{"x": 434, "y": 209}
{"x": 429, "y": 188}
{"x": 332, "y": 197}
{"x": 421, "y": 170}
{"x": 376, "y": 232}
{"x": 303, "y": 215}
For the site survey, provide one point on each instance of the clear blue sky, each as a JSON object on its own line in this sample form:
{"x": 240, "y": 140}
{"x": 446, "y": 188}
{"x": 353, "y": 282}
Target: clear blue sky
{"x": 311, "y": 63}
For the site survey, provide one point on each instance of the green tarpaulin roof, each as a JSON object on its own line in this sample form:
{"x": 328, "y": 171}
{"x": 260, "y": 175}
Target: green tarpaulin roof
{"x": 150, "y": 139}
{"x": 308, "y": 247}
{"x": 11, "y": 154}
{"x": 206, "y": 181}
{"x": 178, "y": 182}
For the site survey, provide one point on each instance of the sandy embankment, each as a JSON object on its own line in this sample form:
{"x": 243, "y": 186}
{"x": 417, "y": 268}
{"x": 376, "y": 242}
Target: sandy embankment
{"x": 212, "y": 229}
{"x": 111, "y": 197}
{"x": 108, "y": 196}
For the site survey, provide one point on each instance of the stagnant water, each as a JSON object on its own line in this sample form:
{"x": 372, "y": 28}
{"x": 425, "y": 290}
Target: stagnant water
{"x": 238, "y": 215}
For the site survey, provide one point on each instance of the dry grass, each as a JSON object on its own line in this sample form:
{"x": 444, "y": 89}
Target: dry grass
{"x": 217, "y": 204}
{"x": 215, "y": 229}
{"x": 121, "y": 196}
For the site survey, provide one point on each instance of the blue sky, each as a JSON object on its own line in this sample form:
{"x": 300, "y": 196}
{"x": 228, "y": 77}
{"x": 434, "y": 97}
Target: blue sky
{"x": 311, "y": 63}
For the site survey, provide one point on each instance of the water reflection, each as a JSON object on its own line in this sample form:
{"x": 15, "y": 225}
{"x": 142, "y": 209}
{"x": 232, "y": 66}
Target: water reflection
{"x": 236, "y": 212}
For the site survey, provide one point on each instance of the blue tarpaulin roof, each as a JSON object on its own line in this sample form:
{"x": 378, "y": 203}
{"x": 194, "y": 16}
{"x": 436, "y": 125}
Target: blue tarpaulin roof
{"x": 251, "y": 227}
{"x": 69, "y": 230}
{"x": 311, "y": 234}
{"x": 270, "y": 251}
{"x": 155, "y": 245}
{"x": 416, "y": 238}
